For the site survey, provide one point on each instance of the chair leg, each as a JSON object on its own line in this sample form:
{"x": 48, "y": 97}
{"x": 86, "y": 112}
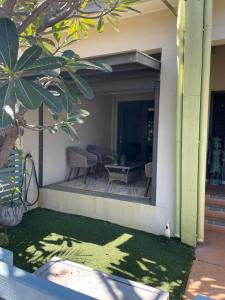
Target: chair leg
{"x": 86, "y": 170}
{"x": 77, "y": 172}
{"x": 95, "y": 171}
{"x": 70, "y": 173}
{"x": 100, "y": 169}
{"x": 148, "y": 185}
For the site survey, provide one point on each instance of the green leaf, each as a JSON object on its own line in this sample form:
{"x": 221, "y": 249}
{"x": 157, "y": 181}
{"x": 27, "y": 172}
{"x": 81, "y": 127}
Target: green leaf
{"x": 63, "y": 28}
{"x": 78, "y": 116}
{"x": 27, "y": 94}
{"x": 53, "y": 129}
{"x": 7, "y": 105}
{"x": 9, "y": 43}
{"x": 133, "y": 9}
{"x": 84, "y": 64}
{"x": 32, "y": 95}
{"x": 83, "y": 86}
{"x": 73, "y": 27}
{"x": 70, "y": 92}
{"x": 56, "y": 32}
{"x": 101, "y": 24}
{"x": 114, "y": 26}
{"x": 46, "y": 41}
{"x": 70, "y": 54}
{"x": 46, "y": 63}
{"x": 83, "y": 112}
{"x": 66, "y": 103}
{"x": 75, "y": 120}
{"x": 28, "y": 57}
{"x": 71, "y": 131}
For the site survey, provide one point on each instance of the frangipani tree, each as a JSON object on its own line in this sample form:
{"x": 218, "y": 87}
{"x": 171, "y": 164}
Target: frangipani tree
{"x": 34, "y": 36}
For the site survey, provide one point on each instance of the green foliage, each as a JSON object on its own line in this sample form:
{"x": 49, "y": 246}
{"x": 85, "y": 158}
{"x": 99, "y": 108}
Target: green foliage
{"x": 9, "y": 43}
{"x": 34, "y": 79}
{"x": 89, "y": 14}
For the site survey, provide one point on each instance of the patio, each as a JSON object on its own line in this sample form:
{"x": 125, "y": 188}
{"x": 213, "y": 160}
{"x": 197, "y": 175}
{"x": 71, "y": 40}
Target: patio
{"x": 101, "y": 187}
{"x": 132, "y": 254}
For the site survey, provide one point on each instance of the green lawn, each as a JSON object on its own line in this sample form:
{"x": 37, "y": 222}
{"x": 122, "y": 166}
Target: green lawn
{"x": 110, "y": 248}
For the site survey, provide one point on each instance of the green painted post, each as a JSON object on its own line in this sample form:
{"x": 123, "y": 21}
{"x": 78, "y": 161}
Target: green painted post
{"x": 180, "y": 84}
{"x": 190, "y": 119}
{"x": 194, "y": 52}
{"x": 204, "y": 116}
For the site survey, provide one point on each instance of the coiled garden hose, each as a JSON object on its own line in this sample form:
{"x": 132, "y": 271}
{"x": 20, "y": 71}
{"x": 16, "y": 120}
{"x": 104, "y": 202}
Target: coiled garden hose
{"x": 28, "y": 176}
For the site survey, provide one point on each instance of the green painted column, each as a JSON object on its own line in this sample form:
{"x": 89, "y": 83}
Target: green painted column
{"x": 180, "y": 90}
{"x": 190, "y": 122}
{"x": 204, "y": 116}
{"x": 193, "y": 85}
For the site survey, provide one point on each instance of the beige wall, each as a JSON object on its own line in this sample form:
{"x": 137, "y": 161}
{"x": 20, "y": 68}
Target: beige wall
{"x": 141, "y": 216}
{"x": 54, "y": 164}
{"x": 217, "y": 78}
{"x": 218, "y": 30}
{"x": 30, "y": 138}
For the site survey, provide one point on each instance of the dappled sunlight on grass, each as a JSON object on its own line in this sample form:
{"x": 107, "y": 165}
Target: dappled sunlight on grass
{"x": 113, "y": 249}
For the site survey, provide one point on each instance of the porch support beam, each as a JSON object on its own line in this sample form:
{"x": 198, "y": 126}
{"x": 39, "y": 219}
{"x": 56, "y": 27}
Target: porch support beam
{"x": 204, "y": 116}
{"x": 180, "y": 91}
{"x": 192, "y": 117}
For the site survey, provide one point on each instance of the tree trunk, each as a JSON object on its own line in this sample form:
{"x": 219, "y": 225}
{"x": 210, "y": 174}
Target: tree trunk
{"x": 9, "y": 136}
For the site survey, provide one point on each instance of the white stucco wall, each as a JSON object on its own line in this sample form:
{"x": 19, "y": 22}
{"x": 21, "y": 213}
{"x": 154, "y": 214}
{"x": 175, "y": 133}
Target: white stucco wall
{"x": 54, "y": 162}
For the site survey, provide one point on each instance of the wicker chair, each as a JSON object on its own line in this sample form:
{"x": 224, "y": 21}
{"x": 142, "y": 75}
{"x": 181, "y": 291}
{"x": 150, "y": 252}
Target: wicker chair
{"x": 148, "y": 174}
{"x": 103, "y": 157}
{"x": 79, "y": 158}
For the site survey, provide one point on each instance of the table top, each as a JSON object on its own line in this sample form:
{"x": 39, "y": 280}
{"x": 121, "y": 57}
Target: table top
{"x": 128, "y": 166}
{"x": 96, "y": 284}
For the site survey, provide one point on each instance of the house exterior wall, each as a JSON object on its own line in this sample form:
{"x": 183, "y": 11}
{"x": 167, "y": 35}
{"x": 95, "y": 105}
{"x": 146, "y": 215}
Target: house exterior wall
{"x": 150, "y": 32}
{"x": 217, "y": 80}
{"x": 30, "y": 138}
{"x": 155, "y": 32}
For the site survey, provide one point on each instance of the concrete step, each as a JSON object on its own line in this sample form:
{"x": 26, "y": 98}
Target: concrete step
{"x": 215, "y": 212}
{"x": 215, "y": 225}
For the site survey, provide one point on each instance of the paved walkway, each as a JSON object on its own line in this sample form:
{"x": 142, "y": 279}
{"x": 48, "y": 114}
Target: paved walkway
{"x": 207, "y": 275}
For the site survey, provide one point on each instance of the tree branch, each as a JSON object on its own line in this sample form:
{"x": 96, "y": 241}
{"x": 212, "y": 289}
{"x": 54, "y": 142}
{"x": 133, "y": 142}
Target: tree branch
{"x": 9, "y": 6}
{"x": 43, "y": 8}
{"x": 80, "y": 14}
{"x": 170, "y": 6}
{"x": 50, "y": 22}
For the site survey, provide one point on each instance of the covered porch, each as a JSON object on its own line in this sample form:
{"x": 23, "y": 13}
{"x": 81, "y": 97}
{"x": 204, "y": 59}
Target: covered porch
{"x": 123, "y": 122}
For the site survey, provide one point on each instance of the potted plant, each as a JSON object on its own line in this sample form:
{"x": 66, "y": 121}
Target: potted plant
{"x": 115, "y": 158}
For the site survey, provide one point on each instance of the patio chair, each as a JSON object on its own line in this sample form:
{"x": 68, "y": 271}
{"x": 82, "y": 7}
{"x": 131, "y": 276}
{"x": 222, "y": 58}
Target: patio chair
{"x": 148, "y": 174}
{"x": 103, "y": 157}
{"x": 81, "y": 159}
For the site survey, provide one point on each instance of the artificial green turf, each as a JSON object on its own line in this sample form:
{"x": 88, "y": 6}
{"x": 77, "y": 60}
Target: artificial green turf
{"x": 110, "y": 248}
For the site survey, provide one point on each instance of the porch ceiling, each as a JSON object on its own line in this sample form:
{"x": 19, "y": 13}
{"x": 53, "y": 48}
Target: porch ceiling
{"x": 133, "y": 57}
{"x": 132, "y": 71}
